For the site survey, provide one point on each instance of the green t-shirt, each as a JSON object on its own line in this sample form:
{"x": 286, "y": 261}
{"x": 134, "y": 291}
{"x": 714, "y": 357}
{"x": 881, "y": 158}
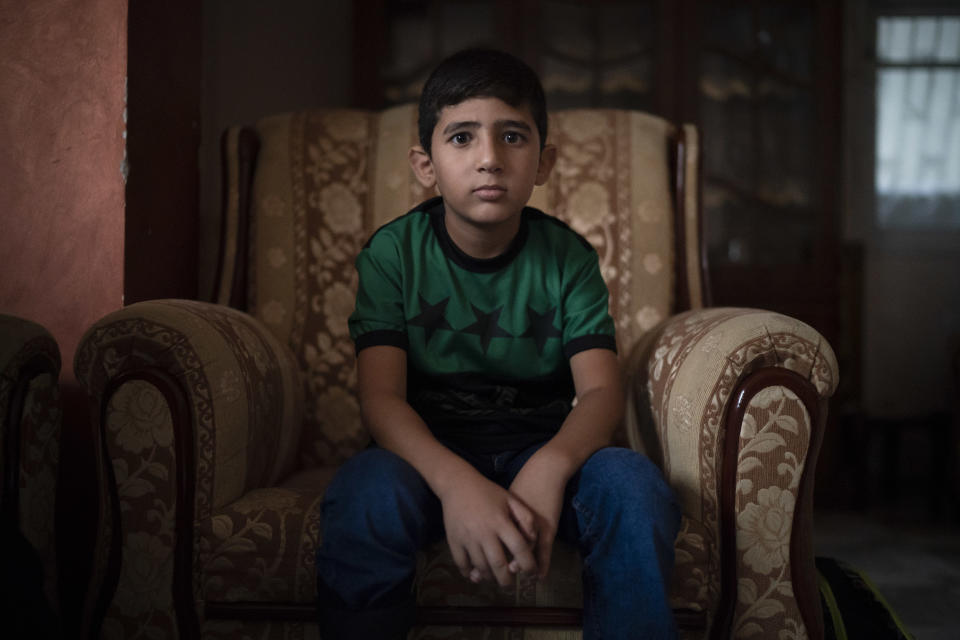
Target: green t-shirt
{"x": 488, "y": 341}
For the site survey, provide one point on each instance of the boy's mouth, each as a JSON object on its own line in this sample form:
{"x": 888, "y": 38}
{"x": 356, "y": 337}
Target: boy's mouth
{"x": 489, "y": 192}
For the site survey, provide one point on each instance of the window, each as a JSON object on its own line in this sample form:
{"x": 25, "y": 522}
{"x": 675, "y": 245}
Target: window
{"x": 917, "y": 177}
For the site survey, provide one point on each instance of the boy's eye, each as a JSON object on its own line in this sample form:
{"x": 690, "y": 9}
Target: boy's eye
{"x": 513, "y": 137}
{"x": 460, "y": 138}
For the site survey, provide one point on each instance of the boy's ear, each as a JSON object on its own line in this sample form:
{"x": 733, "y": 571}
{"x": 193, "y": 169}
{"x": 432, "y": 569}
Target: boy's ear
{"x": 422, "y": 166}
{"x": 548, "y": 158}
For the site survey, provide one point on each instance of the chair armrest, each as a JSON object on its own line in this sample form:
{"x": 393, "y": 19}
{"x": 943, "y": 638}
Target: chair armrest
{"x": 194, "y": 404}
{"x": 30, "y": 437}
{"x": 22, "y": 342}
{"x": 732, "y": 403}
{"x": 29, "y": 356}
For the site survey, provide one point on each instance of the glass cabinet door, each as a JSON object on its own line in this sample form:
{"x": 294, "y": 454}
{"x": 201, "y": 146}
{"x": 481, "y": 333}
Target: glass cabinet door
{"x": 764, "y": 82}
{"x": 598, "y": 54}
{"x": 588, "y": 54}
{"x": 759, "y": 118}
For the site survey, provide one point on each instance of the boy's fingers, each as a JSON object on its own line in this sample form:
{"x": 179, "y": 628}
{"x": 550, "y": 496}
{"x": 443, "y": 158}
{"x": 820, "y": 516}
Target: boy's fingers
{"x": 477, "y": 570}
{"x": 461, "y": 560}
{"x": 522, "y": 552}
{"x": 497, "y": 561}
{"x": 524, "y": 518}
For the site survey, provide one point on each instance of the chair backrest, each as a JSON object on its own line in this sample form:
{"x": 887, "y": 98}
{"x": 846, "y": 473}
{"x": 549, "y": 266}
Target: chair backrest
{"x": 304, "y": 191}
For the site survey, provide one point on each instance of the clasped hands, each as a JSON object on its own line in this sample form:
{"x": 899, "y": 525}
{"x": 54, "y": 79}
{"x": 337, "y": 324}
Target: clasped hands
{"x": 495, "y": 533}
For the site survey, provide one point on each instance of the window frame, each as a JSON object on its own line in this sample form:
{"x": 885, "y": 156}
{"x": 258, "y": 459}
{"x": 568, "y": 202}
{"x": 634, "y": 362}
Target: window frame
{"x": 861, "y": 113}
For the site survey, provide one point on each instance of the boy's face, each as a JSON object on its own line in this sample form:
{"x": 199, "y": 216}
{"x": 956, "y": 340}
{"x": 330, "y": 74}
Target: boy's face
{"x": 485, "y": 161}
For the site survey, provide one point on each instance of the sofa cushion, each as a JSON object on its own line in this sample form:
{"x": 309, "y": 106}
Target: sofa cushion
{"x": 261, "y": 548}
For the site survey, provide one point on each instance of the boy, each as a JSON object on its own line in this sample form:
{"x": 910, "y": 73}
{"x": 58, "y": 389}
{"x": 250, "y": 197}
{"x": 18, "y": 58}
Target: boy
{"x": 478, "y": 320}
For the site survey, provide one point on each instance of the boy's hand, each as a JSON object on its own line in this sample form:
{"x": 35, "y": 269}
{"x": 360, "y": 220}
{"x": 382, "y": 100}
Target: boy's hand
{"x": 542, "y": 481}
{"x": 540, "y": 487}
{"x": 490, "y": 532}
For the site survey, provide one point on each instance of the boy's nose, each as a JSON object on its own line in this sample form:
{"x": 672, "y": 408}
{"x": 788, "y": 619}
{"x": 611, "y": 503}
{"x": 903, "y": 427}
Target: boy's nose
{"x": 489, "y": 157}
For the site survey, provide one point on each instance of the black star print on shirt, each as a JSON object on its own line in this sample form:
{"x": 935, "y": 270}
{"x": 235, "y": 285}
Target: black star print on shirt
{"x": 541, "y": 327}
{"x": 431, "y": 317}
{"x": 487, "y": 326}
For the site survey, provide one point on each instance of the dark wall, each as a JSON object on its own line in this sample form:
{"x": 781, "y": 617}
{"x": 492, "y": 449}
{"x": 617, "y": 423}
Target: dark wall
{"x": 62, "y": 68}
{"x": 163, "y": 136}
{"x": 62, "y": 71}
{"x": 259, "y": 59}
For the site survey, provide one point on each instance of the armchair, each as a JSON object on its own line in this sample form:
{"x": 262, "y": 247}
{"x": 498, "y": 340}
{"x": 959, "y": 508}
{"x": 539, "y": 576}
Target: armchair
{"x": 221, "y": 423}
{"x": 29, "y": 462}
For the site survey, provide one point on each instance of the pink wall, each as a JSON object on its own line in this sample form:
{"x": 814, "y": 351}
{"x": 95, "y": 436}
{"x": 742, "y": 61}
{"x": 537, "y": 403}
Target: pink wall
{"x": 62, "y": 71}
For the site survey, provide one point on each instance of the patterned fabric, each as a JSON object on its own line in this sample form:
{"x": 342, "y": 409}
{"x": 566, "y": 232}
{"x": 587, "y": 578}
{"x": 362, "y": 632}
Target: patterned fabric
{"x": 315, "y": 202}
{"x": 22, "y": 344}
{"x": 774, "y": 439}
{"x": 261, "y": 548}
{"x": 39, "y": 466}
{"x": 140, "y": 437}
{"x": 611, "y": 183}
{"x": 243, "y": 394}
{"x": 692, "y": 364}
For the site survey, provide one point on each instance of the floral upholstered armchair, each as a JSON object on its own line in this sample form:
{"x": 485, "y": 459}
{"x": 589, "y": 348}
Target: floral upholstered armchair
{"x": 223, "y": 422}
{"x": 29, "y": 453}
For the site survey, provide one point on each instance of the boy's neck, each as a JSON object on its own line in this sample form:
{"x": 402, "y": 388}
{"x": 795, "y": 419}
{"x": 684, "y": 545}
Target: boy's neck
{"x": 482, "y": 242}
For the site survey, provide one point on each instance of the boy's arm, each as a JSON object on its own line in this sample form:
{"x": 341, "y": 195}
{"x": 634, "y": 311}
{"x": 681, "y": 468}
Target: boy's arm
{"x": 589, "y": 427}
{"x": 481, "y": 518}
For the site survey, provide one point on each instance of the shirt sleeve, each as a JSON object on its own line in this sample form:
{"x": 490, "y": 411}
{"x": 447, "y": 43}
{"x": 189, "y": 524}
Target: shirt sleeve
{"x": 378, "y": 317}
{"x": 587, "y": 323}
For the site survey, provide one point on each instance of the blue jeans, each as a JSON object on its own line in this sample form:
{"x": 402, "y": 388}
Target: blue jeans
{"x": 378, "y": 512}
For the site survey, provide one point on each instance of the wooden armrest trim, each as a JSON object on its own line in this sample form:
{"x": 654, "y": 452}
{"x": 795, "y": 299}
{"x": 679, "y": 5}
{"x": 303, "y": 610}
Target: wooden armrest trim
{"x": 801, "y": 544}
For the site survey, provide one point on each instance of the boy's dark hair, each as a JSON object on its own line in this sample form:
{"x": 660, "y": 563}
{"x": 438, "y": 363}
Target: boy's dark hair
{"x": 480, "y": 73}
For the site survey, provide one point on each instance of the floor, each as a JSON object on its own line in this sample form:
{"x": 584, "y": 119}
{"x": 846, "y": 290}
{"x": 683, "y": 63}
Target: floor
{"x": 889, "y": 505}
{"x": 911, "y": 558}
